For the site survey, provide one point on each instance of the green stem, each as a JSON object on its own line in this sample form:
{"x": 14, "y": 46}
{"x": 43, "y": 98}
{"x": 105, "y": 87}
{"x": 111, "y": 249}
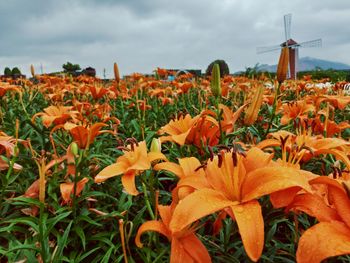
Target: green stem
{"x": 219, "y": 115}
{"x": 76, "y": 177}
{"x": 5, "y": 182}
{"x": 148, "y": 205}
{"x": 273, "y": 113}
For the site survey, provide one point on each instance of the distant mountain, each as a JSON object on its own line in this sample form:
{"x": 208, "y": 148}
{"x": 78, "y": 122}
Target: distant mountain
{"x": 308, "y": 63}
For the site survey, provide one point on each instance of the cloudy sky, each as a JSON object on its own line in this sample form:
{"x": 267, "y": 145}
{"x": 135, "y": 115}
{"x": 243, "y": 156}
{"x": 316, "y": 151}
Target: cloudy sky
{"x": 142, "y": 35}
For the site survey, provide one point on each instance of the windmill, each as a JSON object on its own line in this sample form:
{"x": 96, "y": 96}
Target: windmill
{"x": 292, "y": 45}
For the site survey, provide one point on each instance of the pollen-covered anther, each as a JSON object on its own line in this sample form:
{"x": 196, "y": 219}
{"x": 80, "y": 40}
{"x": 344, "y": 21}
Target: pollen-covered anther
{"x": 220, "y": 158}
{"x": 200, "y": 167}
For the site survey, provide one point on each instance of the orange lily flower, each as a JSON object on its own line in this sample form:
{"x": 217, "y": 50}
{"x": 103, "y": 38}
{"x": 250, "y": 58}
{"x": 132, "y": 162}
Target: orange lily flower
{"x": 294, "y": 110}
{"x": 5, "y": 87}
{"x": 330, "y": 237}
{"x": 205, "y": 131}
{"x": 339, "y": 101}
{"x": 67, "y": 189}
{"x": 134, "y": 161}
{"x": 184, "y": 87}
{"x": 235, "y": 184}
{"x": 56, "y": 115}
{"x": 84, "y": 136}
{"x": 7, "y": 144}
{"x": 178, "y": 129}
{"x": 97, "y": 92}
{"x": 185, "y": 245}
{"x": 307, "y": 146}
{"x": 142, "y": 104}
{"x": 229, "y": 117}
{"x": 331, "y": 127}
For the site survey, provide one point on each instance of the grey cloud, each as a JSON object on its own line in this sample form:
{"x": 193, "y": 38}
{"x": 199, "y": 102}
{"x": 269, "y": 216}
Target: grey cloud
{"x": 141, "y": 35}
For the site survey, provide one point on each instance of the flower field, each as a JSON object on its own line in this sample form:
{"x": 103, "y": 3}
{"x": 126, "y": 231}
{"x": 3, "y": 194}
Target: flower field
{"x": 146, "y": 169}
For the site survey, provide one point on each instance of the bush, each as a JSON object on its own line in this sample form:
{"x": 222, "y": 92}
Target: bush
{"x": 224, "y": 70}
{"x": 69, "y": 67}
{"x": 16, "y": 71}
{"x": 7, "y": 72}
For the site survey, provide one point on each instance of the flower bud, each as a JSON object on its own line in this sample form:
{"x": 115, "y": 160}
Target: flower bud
{"x": 156, "y": 145}
{"x": 215, "y": 84}
{"x": 74, "y": 148}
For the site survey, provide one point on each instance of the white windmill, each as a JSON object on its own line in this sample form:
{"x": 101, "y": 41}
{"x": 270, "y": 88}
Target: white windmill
{"x": 292, "y": 45}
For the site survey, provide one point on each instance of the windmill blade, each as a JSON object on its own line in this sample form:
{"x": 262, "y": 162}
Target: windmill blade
{"x": 287, "y": 25}
{"x": 260, "y": 50}
{"x": 311, "y": 43}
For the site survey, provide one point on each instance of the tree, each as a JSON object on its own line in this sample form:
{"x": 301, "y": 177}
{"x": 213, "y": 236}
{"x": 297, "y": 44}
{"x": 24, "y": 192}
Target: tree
{"x": 16, "y": 71}
{"x": 7, "y": 72}
{"x": 70, "y": 68}
{"x": 224, "y": 70}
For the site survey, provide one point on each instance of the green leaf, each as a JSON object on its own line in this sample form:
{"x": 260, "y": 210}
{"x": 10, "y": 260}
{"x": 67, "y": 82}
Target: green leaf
{"x": 81, "y": 234}
{"x": 62, "y": 243}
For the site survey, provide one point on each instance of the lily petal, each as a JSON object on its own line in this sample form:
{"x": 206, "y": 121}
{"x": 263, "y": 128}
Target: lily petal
{"x": 197, "y": 205}
{"x": 189, "y": 165}
{"x": 267, "y": 180}
{"x": 324, "y": 240}
{"x": 314, "y": 206}
{"x": 178, "y": 253}
{"x": 251, "y": 227}
{"x": 341, "y": 202}
{"x": 154, "y": 225}
{"x": 156, "y": 156}
{"x": 284, "y": 197}
{"x": 180, "y": 138}
{"x": 171, "y": 167}
{"x": 128, "y": 181}
{"x": 112, "y": 170}
{"x": 195, "y": 248}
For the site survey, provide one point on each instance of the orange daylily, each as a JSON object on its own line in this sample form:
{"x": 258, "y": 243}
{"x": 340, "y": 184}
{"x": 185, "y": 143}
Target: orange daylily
{"x": 56, "y": 115}
{"x": 185, "y": 245}
{"x": 84, "y": 136}
{"x": 67, "y": 189}
{"x": 184, "y": 87}
{"x": 235, "y": 182}
{"x": 205, "y": 131}
{"x": 294, "y": 110}
{"x": 229, "y": 118}
{"x": 339, "y": 101}
{"x": 307, "y": 145}
{"x": 5, "y": 87}
{"x": 134, "y": 161}
{"x": 97, "y": 92}
{"x": 330, "y": 237}
{"x": 8, "y": 144}
{"x": 331, "y": 127}
{"x": 178, "y": 129}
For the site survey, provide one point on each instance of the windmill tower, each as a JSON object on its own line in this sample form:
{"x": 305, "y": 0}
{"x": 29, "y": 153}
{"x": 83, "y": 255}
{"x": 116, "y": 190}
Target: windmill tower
{"x": 292, "y": 45}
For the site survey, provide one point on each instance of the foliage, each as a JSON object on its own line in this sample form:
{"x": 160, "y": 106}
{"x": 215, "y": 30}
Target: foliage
{"x": 16, "y": 71}
{"x": 7, "y": 72}
{"x": 70, "y": 68}
{"x": 224, "y": 69}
